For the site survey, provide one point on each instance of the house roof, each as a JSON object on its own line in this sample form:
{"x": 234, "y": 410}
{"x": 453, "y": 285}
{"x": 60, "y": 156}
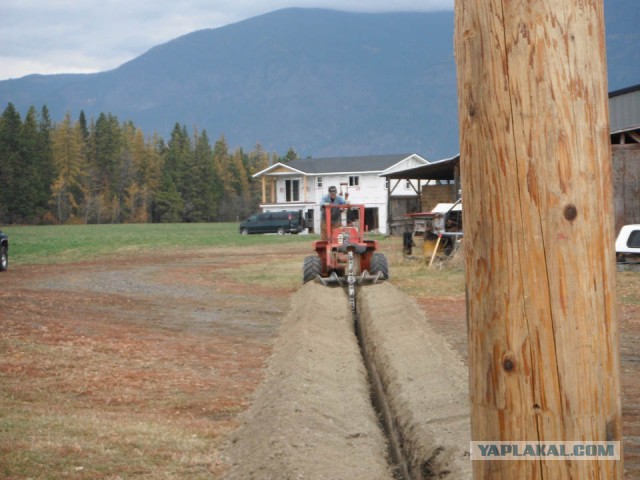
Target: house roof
{"x": 440, "y": 170}
{"x": 625, "y": 90}
{"x": 366, "y": 163}
{"x": 330, "y": 165}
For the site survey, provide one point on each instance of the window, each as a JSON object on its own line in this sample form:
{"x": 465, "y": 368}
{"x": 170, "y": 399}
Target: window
{"x": 354, "y": 181}
{"x": 634, "y": 239}
{"x": 292, "y": 190}
{"x": 407, "y": 185}
{"x": 319, "y": 182}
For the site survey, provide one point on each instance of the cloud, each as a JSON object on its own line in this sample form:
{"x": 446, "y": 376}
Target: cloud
{"x": 68, "y": 36}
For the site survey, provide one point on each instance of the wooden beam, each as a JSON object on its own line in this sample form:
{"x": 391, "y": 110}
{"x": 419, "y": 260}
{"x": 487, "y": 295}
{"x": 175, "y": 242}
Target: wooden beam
{"x": 389, "y": 219}
{"x": 304, "y": 188}
{"x": 538, "y": 224}
{"x": 391, "y": 190}
{"x": 625, "y": 146}
{"x": 413, "y": 186}
{"x": 635, "y": 136}
{"x": 273, "y": 190}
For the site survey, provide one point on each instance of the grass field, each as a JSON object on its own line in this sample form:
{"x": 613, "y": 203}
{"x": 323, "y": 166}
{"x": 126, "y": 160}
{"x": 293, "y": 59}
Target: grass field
{"x": 63, "y": 244}
{"x": 67, "y": 243}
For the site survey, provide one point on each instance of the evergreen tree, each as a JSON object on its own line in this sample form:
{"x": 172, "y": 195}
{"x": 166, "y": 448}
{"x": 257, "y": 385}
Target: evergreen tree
{"x": 106, "y": 161}
{"x": 152, "y": 169}
{"x": 45, "y": 164}
{"x": 170, "y": 199}
{"x": 11, "y": 161}
{"x": 290, "y": 156}
{"x": 190, "y": 184}
{"x": 177, "y": 154}
{"x": 168, "y": 205}
{"x": 201, "y": 179}
{"x": 28, "y": 182}
{"x": 84, "y": 128}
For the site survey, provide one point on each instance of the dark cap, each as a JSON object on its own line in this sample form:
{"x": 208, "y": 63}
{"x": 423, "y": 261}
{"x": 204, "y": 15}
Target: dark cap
{"x": 333, "y": 189}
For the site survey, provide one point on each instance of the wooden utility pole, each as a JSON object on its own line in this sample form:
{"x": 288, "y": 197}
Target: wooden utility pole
{"x": 538, "y": 224}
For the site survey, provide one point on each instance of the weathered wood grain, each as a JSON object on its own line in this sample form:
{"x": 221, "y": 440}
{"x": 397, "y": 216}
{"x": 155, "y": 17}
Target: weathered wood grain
{"x": 536, "y": 182}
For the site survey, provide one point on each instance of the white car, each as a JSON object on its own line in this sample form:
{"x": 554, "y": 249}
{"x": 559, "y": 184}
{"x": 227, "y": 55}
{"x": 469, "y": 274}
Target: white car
{"x": 628, "y": 244}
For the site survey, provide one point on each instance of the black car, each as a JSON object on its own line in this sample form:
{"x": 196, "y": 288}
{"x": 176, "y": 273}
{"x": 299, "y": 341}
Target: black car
{"x": 4, "y": 252}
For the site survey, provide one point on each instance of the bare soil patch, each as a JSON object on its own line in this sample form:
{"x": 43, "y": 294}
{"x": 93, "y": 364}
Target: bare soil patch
{"x": 133, "y": 366}
{"x": 141, "y": 366}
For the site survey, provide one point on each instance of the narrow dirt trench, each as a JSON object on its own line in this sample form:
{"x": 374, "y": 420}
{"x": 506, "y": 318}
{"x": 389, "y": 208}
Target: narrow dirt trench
{"x": 396, "y": 454}
{"x": 419, "y": 381}
{"x": 331, "y": 383}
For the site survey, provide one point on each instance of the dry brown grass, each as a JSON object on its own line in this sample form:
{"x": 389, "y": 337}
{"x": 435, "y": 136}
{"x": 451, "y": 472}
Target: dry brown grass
{"x": 85, "y": 395}
{"x": 99, "y": 386}
{"x": 628, "y": 286}
{"x": 80, "y": 406}
{"x": 443, "y": 278}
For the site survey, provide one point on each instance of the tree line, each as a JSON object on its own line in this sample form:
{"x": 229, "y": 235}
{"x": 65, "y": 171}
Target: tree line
{"x": 107, "y": 171}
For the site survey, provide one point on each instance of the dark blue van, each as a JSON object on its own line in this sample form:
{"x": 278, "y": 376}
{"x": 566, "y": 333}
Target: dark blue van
{"x": 274, "y": 222}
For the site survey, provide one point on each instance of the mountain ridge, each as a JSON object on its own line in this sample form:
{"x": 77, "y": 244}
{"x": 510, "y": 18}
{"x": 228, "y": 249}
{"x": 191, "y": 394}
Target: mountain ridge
{"x": 321, "y": 81}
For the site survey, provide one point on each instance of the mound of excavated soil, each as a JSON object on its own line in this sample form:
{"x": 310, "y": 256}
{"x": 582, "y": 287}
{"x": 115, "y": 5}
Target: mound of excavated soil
{"x": 312, "y": 417}
{"x": 424, "y": 381}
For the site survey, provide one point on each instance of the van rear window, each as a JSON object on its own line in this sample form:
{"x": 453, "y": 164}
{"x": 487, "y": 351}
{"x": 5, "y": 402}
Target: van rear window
{"x": 634, "y": 239}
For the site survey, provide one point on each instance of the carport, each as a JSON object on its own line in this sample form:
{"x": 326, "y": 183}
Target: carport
{"x": 441, "y": 185}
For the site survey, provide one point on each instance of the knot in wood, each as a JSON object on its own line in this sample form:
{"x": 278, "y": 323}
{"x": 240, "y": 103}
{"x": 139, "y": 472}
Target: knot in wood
{"x": 508, "y": 364}
{"x": 570, "y": 212}
{"x": 472, "y": 110}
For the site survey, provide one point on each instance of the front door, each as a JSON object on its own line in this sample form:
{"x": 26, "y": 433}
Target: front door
{"x": 371, "y": 219}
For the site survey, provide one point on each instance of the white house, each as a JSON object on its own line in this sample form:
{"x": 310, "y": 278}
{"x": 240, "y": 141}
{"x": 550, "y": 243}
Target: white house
{"x": 301, "y": 184}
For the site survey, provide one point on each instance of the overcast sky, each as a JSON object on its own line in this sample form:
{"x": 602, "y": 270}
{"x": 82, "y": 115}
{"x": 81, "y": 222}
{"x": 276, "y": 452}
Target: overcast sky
{"x": 84, "y": 36}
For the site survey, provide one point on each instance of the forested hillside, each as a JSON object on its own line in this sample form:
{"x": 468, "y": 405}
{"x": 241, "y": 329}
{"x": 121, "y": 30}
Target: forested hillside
{"x": 108, "y": 172}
